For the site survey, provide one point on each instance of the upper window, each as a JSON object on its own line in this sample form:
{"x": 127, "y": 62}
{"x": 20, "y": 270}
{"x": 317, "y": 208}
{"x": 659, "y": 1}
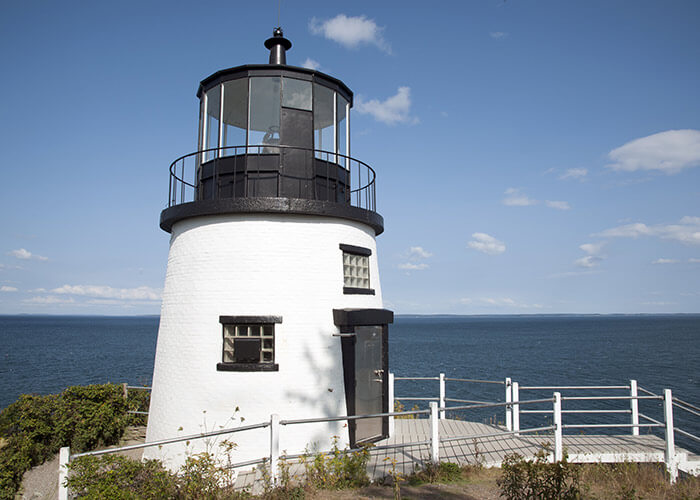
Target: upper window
{"x": 296, "y": 94}
{"x": 248, "y": 343}
{"x": 356, "y": 270}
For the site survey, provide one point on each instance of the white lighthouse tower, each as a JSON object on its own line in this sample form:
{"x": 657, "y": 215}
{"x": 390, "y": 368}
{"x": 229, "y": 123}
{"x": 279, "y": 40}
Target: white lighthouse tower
{"x": 272, "y": 302}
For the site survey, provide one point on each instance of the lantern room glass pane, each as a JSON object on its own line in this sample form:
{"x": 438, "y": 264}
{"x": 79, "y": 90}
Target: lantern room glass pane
{"x": 342, "y": 128}
{"x": 213, "y": 99}
{"x": 324, "y": 121}
{"x": 264, "y": 122}
{"x": 296, "y": 94}
{"x": 235, "y": 116}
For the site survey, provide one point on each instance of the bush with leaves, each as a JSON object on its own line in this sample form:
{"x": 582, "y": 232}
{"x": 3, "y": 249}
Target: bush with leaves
{"x": 34, "y": 428}
{"x": 526, "y": 479}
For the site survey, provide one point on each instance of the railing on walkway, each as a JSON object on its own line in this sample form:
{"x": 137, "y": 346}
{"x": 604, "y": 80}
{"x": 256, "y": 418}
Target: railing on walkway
{"x": 436, "y": 412}
{"x": 266, "y": 170}
{"x": 513, "y": 411}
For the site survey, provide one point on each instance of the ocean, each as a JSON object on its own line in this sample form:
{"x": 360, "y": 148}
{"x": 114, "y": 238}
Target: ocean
{"x": 45, "y": 354}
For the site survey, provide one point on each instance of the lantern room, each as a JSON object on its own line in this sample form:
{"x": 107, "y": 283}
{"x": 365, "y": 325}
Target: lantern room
{"x": 274, "y": 131}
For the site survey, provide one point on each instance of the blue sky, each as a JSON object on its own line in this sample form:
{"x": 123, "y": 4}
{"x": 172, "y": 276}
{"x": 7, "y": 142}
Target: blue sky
{"x": 532, "y": 157}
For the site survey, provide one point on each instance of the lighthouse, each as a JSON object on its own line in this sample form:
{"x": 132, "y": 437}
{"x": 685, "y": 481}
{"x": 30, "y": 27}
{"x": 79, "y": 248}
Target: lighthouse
{"x": 272, "y": 302}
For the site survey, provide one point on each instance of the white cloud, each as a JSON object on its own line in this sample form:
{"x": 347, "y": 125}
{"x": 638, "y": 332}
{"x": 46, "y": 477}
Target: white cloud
{"x": 559, "y": 205}
{"x": 498, "y": 34}
{"x": 419, "y": 252}
{"x": 5, "y": 288}
{"x": 588, "y": 261}
{"x": 668, "y": 152}
{"x": 415, "y": 257}
{"x": 693, "y": 260}
{"x": 107, "y": 292}
{"x": 593, "y": 258}
{"x": 487, "y": 244}
{"x": 24, "y": 254}
{"x": 311, "y": 64}
{"x": 665, "y": 261}
{"x": 350, "y": 31}
{"x": 515, "y": 198}
{"x": 592, "y": 248}
{"x": 393, "y": 110}
{"x": 410, "y": 266}
{"x": 574, "y": 173}
{"x": 51, "y": 299}
{"x": 686, "y": 231}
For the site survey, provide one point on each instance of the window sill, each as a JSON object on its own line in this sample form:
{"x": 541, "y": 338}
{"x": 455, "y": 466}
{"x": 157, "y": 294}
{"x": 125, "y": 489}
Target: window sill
{"x": 247, "y": 367}
{"x": 357, "y": 291}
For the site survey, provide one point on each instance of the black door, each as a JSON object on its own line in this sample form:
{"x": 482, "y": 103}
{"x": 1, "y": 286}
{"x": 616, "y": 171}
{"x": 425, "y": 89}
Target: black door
{"x": 370, "y": 377}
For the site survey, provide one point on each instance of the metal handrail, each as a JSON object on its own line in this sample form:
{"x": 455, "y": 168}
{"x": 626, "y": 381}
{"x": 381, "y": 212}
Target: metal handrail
{"x": 477, "y": 381}
{"x": 138, "y": 387}
{"x": 416, "y": 378}
{"x": 365, "y": 186}
{"x": 172, "y": 440}
{"x": 571, "y": 387}
{"x": 678, "y": 405}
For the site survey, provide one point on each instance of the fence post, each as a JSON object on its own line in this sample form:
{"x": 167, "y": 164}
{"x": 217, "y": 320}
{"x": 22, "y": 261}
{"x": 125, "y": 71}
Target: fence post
{"x": 634, "y": 406}
{"x": 63, "y": 461}
{"x": 274, "y": 447}
{"x": 558, "y": 430}
{"x": 516, "y": 408}
{"x": 125, "y": 390}
{"x": 392, "y": 405}
{"x": 434, "y": 433}
{"x": 442, "y": 395}
{"x": 670, "y": 451}
{"x": 509, "y": 408}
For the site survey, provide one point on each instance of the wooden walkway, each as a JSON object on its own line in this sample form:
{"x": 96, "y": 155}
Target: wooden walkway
{"x": 490, "y": 451}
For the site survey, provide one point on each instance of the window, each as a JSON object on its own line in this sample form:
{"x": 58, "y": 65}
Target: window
{"x": 248, "y": 343}
{"x": 296, "y": 94}
{"x": 356, "y": 270}
{"x": 264, "y": 121}
{"x": 211, "y": 135}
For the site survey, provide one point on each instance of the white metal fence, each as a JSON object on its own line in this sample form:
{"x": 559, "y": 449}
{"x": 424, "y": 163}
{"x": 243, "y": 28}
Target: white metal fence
{"x": 512, "y": 407}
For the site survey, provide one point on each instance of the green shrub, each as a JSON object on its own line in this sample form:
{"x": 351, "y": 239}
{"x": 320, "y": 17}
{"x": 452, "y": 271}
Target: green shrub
{"x": 526, "y": 479}
{"x": 36, "y": 427}
{"x": 118, "y": 477}
{"x": 337, "y": 469}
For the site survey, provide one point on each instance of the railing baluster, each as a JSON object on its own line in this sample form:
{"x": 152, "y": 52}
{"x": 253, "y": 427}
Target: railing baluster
{"x": 516, "y": 408}
{"x": 274, "y": 447}
{"x": 670, "y": 449}
{"x": 434, "y": 433}
{"x": 634, "y": 406}
{"x": 391, "y": 404}
{"x": 558, "y": 436}
{"x": 509, "y": 408}
{"x": 63, "y": 461}
{"x": 442, "y": 395}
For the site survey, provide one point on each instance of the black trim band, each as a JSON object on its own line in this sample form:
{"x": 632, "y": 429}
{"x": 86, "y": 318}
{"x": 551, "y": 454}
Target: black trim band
{"x": 348, "y": 290}
{"x": 362, "y": 317}
{"x": 247, "y": 320}
{"x": 296, "y": 206}
{"x": 247, "y": 367}
{"x": 355, "y": 250}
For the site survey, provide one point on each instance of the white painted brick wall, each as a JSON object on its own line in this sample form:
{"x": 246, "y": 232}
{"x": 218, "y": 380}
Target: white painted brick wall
{"x": 282, "y": 265}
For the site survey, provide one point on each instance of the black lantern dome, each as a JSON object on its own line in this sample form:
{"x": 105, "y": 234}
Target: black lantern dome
{"x": 273, "y": 138}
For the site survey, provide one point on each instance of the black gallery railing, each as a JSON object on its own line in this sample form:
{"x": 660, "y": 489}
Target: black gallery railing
{"x": 271, "y": 171}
